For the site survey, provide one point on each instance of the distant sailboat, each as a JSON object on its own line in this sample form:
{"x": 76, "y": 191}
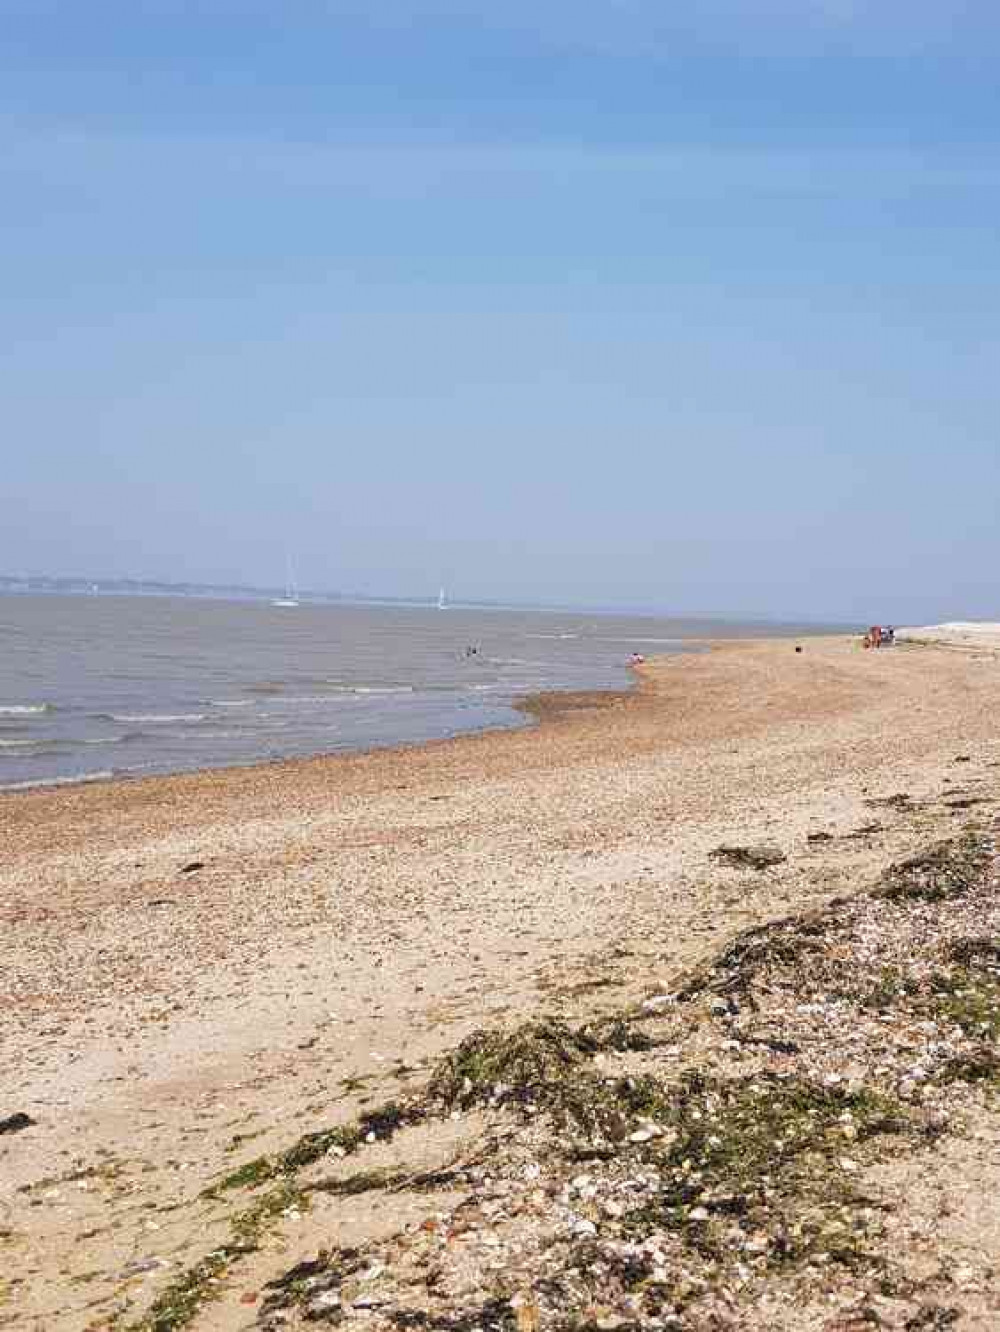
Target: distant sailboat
{"x": 442, "y": 603}
{"x": 291, "y": 597}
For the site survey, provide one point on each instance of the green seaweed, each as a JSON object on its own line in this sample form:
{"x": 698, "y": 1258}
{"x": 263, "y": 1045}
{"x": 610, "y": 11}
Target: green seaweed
{"x": 892, "y": 987}
{"x": 970, "y": 999}
{"x": 764, "y": 1154}
{"x": 178, "y": 1304}
{"x": 521, "y": 1066}
{"x": 311, "y": 1147}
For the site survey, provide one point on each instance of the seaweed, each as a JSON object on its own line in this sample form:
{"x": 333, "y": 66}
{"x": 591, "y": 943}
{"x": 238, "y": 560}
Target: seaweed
{"x": 496, "y": 1315}
{"x": 182, "y": 1299}
{"x": 977, "y": 951}
{"x": 761, "y": 1153}
{"x": 969, "y": 999}
{"x": 900, "y": 800}
{"x": 522, "y": 1066}
{"x": 981, "y": 1065}
{"x": 749, "y": 857}
{"x": 933, "y": 1318}
{"x": 310, "y": 1281}
{"x": 892, "y": 986}
{"x": 947, "y": 871}
{"x": 382, "y": 1122}
{"x": 784, "y": 941}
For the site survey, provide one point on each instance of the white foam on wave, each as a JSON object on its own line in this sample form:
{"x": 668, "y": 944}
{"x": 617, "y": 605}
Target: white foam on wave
{"x": 26, "y": 747}
{"x": 152, "y": 718}
{"x": 24, "y": 709}
{"x": 303, "y": 701}
{"x": 204, "y": 735}
{"x": 383, "y": 689}
{"x": 338, "y": 694}
{"x": 369, "y": 689}
{"x": 78, "y": 780}
{"x": 231, "y": 702}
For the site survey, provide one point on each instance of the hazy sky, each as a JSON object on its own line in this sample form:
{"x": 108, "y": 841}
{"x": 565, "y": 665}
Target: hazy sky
{"x": 556, "y": 301}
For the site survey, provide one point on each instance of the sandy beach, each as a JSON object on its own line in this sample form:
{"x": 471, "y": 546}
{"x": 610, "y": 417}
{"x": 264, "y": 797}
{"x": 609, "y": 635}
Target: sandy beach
{"x": 197, "y": 971}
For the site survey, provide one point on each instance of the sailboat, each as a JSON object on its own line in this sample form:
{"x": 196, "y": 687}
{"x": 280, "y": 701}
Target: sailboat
{"x": 442, "y": 603}
{"x": 291, "y": 597}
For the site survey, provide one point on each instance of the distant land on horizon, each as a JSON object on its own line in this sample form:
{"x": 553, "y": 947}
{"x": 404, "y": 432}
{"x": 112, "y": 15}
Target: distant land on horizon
{"x": 79, "y": 585}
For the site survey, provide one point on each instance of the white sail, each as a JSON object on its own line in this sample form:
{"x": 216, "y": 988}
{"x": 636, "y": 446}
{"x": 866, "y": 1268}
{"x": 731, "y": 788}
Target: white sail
{"x": 291, "y": 597}
{"x": 442, "y": 603}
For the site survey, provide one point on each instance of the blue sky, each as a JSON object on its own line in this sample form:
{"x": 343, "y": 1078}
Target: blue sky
{"x": 554, "y": 302}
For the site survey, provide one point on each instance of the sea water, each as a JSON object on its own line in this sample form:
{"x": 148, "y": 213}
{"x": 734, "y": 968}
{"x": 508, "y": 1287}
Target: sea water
{"x": 94, "y": 687}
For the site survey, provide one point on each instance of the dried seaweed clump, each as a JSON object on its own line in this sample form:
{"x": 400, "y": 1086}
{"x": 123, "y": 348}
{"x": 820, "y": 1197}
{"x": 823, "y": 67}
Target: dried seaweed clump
{"x": 782, "y": 942}
{"x": 749, "y": 857}
{"x": 949, "y": 870}
{"x": 979, "y": 951}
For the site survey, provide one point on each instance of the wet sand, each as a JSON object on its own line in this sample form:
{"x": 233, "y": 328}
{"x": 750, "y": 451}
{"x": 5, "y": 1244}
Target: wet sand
{"x": 190, "y": 962}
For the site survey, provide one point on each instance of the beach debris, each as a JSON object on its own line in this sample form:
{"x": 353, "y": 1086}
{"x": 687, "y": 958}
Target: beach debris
{"x": 16, "y": 1123}
{"x": 142, "y": 1266}
{"x": 899, "y": 800}
{"x": 523, "y": 1066}
{"x": 819, "y": 837}
{"x": 192, "y": 866}
{"x": 693, "y": 1161}
{"x": 946, "y": 871}
{"x": 760, "y": 857}
{"x": 933, "y": 1318}
{"x": 526, "y": 1314}
{"x": 866, "y": 830}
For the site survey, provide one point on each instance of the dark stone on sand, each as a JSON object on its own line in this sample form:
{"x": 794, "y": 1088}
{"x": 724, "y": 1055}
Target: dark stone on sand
{"x": 192, "y": 866}
{"x": 15, "y": 1123}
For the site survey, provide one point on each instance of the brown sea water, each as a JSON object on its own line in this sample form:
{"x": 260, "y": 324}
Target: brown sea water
{"x": 94, "y": 687}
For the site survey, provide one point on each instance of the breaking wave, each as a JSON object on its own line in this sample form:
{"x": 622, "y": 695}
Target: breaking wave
{"x": 153, "y": 718}
{"x": 78, "y": 780}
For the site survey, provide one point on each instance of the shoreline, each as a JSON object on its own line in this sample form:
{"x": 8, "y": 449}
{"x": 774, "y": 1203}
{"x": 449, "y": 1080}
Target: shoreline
{"x": 528, "y": 711}
{"x": 202, "y": 968}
